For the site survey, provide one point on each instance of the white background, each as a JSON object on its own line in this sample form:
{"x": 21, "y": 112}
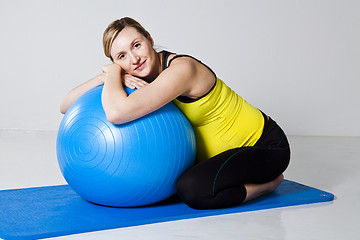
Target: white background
{"x": 299, "y": 61}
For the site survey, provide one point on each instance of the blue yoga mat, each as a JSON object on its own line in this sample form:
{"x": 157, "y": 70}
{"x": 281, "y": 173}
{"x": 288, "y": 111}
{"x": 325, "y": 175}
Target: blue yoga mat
{"x": 34, "y": 213}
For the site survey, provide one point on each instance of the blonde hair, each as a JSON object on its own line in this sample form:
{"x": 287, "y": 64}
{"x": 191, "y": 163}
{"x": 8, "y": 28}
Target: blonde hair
{"x": 115, "y": 28}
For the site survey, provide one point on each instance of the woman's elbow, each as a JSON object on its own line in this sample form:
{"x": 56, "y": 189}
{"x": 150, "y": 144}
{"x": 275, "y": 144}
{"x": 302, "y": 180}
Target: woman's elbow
{"x": 65, "y": 105}
{"x": 115, "y": 117}
{"x": 63, "y": 108}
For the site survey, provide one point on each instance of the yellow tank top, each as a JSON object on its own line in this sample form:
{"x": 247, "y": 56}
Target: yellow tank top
{"x": 222, "y": 120}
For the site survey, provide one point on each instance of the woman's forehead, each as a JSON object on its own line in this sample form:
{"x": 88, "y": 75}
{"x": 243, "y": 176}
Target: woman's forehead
{"x": 124, "y": 39}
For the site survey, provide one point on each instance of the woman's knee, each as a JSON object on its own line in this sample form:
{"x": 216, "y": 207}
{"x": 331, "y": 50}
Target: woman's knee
{"x": 190, "y": 191}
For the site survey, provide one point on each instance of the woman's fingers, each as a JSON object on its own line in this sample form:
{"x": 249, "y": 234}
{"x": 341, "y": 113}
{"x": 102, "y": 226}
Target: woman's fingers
{"x": 133, "y": 82}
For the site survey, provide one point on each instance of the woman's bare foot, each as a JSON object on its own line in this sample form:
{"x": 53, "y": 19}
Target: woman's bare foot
{"x": 257, "y": 190}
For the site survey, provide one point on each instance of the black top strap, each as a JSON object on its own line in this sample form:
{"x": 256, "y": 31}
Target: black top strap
{"x": 165, "y": 56}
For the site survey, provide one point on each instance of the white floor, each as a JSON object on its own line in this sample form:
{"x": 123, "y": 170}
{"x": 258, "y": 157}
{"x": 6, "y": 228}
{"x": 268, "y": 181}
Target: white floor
{"x": 28, "y": 158}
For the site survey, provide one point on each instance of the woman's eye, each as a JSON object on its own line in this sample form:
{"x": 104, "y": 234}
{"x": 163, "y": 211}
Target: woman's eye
{"x": 137, "y": 45}
{"x": 121, "y": 56}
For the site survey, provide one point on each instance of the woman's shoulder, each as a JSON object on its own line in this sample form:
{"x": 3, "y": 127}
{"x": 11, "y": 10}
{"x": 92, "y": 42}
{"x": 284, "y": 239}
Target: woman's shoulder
{"x": 188, "y": 62}
{"x": 180, "y": 62}
{"x": 168, "y": 58}
{"x": 191, "y": 71}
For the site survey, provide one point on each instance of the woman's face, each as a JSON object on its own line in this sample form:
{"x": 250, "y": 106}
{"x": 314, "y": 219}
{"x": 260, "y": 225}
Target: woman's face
{"x": 134, "y": 53}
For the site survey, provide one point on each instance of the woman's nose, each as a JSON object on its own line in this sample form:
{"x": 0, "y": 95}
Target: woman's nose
{"x": 135, "y": 59}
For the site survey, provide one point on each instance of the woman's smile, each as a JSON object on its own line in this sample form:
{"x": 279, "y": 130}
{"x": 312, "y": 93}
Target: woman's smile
{"x": 140, "y": 66}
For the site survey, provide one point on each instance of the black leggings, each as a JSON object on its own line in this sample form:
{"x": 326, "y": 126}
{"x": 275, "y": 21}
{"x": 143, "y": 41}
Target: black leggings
{"x": 219, "y": 181}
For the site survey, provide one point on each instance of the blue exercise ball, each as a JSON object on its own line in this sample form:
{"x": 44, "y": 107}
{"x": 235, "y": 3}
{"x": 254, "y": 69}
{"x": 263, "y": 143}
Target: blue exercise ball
{"x": 127, "y": 165}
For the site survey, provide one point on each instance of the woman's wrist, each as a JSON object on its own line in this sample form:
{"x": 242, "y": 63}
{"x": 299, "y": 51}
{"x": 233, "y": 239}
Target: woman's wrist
{"x": 112, "y": 74}
{"x": 99, "y": 79}
{"x": 112, "y": 69}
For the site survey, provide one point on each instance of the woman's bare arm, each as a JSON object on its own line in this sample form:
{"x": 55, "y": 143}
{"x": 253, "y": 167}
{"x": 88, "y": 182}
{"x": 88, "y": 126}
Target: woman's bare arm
{"x": 128, "y": 80}
{"x": 171, "y": 83}
{"x": 75, "y": 93}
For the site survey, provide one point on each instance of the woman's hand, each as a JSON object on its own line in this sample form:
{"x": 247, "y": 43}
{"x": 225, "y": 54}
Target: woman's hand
{"x": 112, "y": 69}
{"x": 128, "y": 80}
{"x": 133, "y": 82}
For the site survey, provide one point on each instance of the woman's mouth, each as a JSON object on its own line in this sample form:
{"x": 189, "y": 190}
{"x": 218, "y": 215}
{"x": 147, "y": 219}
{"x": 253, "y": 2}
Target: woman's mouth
{"x": 140, "y": 66}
